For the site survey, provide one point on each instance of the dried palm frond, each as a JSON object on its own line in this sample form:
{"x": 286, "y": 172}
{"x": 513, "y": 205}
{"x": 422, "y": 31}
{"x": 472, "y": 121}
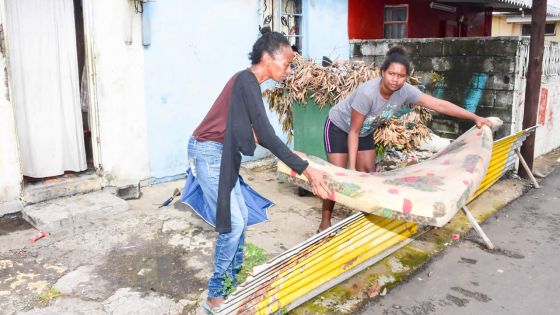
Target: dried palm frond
{"x": 324, "y": 84}
{"x": 327, "y": 85}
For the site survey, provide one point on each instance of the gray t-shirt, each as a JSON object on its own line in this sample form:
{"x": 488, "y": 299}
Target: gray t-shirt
{"x": 367, "y": 100}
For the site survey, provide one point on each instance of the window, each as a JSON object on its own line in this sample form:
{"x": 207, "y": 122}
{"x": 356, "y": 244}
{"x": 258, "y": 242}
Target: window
{"x": 285, "y": 16}
{"x": 395, "y": 21}
{"x": 549, "y": 29}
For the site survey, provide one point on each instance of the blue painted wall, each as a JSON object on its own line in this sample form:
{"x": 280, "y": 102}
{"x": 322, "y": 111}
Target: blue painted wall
{"x": 196, "y": 46}
{"x": 326, "y": 29}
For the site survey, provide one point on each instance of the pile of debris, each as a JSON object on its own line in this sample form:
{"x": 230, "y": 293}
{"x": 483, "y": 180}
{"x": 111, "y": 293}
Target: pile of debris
{"x": 395, "y": 158}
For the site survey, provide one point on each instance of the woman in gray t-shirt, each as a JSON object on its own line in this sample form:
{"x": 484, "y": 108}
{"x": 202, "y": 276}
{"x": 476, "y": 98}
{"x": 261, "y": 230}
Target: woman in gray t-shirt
{"x": 348, "y": 134}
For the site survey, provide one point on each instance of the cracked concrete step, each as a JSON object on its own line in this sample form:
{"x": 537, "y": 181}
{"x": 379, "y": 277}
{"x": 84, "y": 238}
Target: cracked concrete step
{"x": 61, "y": 187}
{"x": 63, "y": 213}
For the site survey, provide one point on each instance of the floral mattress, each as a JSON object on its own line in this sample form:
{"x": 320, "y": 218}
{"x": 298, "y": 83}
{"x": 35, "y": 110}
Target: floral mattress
{"x": 427, "y": 193}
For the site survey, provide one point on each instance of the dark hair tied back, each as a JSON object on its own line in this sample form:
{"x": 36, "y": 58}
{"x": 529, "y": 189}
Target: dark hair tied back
{"x": 265, "y": 30}
{"x": 269, "y": 42}
{"x": 396, "y": 50}
{"x": 396, "y": 54}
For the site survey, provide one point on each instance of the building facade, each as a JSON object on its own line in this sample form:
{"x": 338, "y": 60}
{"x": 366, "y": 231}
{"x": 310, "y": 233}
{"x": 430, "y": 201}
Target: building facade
{"x": 143, "y": 73}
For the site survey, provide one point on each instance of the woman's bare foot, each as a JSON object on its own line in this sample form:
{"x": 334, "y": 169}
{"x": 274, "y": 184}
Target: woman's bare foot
{"x": 326, "y": 214}
{"x": 323, "y": 226}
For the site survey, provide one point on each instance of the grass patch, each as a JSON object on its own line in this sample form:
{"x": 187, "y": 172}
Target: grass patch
{"x": 412, "y": 257}
{"x": 50, "y": 295}
{"x": 229, "y": 288}
{"x": 252, "y": 257}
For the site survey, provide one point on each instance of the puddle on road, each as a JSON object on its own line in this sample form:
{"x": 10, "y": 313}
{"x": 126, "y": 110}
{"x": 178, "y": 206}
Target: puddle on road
{"x": 481, "y": 297}
{"x": 12, "y": 223}
{"x": 506, "y": 252}
{"x": 152, "y": 267}
{"x": 495, "y": 251}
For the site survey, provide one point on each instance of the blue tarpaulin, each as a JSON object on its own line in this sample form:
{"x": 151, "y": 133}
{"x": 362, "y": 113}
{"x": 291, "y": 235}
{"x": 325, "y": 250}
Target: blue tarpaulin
{"x": 192, "y": 196}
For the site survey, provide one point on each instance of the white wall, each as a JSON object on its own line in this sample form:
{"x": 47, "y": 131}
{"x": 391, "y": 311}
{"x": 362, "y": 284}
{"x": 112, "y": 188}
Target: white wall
{"x": 10, "y": 168}
{"x": 548, "y": 136}
{"x": 520, "y": 82}
{"x": 119, "y": 75}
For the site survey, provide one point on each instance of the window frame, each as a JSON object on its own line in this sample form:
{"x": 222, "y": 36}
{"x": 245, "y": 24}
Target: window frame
{"x": 545, "y": 33}
{"x": 405, "y": 22}
{"x": 282, "y": 14}
{"x": 276, "y": 9}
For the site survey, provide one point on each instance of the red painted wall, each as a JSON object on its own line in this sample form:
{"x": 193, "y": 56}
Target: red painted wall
{"x": 365, "y": 20}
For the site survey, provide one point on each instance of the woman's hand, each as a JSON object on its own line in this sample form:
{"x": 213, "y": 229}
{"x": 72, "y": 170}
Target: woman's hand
{"x": 448, "y": 108}
{"x": 317, "y": 182}
{"x": 481, "y": 121}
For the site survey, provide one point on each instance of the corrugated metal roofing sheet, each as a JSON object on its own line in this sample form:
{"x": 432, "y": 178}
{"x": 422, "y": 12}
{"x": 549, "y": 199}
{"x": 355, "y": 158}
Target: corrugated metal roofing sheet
{"x": 503, "y": 159}
{"x": 520, "y": 3}
{"x": 553, "y": 6}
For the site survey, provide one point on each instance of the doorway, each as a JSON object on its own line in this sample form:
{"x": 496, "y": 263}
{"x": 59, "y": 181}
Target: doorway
{"x": 46, "y": 45}
{"x": 84, "y": 99}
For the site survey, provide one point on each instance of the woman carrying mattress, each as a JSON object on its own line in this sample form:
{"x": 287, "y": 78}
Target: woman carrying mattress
{"x": 348, "y": 132}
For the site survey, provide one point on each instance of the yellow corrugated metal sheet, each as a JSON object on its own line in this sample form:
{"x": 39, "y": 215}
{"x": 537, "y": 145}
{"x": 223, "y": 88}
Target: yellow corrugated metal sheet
{"x": 503, "y": 159}
{"x": 343, "y": 247}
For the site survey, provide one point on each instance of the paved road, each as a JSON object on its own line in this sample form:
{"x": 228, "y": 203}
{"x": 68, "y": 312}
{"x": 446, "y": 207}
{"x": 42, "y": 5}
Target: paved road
{"x": 521, "y": 277}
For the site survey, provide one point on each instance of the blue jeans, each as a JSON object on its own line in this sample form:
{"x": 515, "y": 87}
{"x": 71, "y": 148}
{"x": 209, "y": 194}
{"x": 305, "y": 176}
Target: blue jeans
{"x": 204, "y": 160}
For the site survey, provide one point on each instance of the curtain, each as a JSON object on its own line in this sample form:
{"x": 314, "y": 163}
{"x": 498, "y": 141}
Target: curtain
{"x": 44, "y": 84}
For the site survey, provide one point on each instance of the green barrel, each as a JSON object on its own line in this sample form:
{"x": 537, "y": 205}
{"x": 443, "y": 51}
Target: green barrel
{"x": 308, "y": 124}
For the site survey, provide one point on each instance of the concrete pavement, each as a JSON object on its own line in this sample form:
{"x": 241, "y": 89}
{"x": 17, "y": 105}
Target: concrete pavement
{"x": 157, "y": 261}
{"x": 520, "y": 276}
{"x": 149, "y": 259}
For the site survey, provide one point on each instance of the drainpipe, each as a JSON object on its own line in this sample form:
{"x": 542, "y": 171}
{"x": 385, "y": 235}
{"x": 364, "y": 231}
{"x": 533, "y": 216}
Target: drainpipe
{"x": 533, "y": 85}
{"x": 142, "y": 7}
{"x": 146, "y": 22}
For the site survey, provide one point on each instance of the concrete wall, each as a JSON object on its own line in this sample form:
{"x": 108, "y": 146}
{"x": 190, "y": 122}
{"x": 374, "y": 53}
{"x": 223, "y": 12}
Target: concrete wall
{"x": 10, "y": 168}
{"x": 548, "y": 136}
{"x": 478, "y": 74}
{"x": 114, "y": 31}
{"x": 484, "y": 75}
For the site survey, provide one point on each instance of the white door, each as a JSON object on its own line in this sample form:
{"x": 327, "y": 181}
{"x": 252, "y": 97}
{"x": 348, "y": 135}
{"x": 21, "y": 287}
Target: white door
{"x": 43, "y": 66}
